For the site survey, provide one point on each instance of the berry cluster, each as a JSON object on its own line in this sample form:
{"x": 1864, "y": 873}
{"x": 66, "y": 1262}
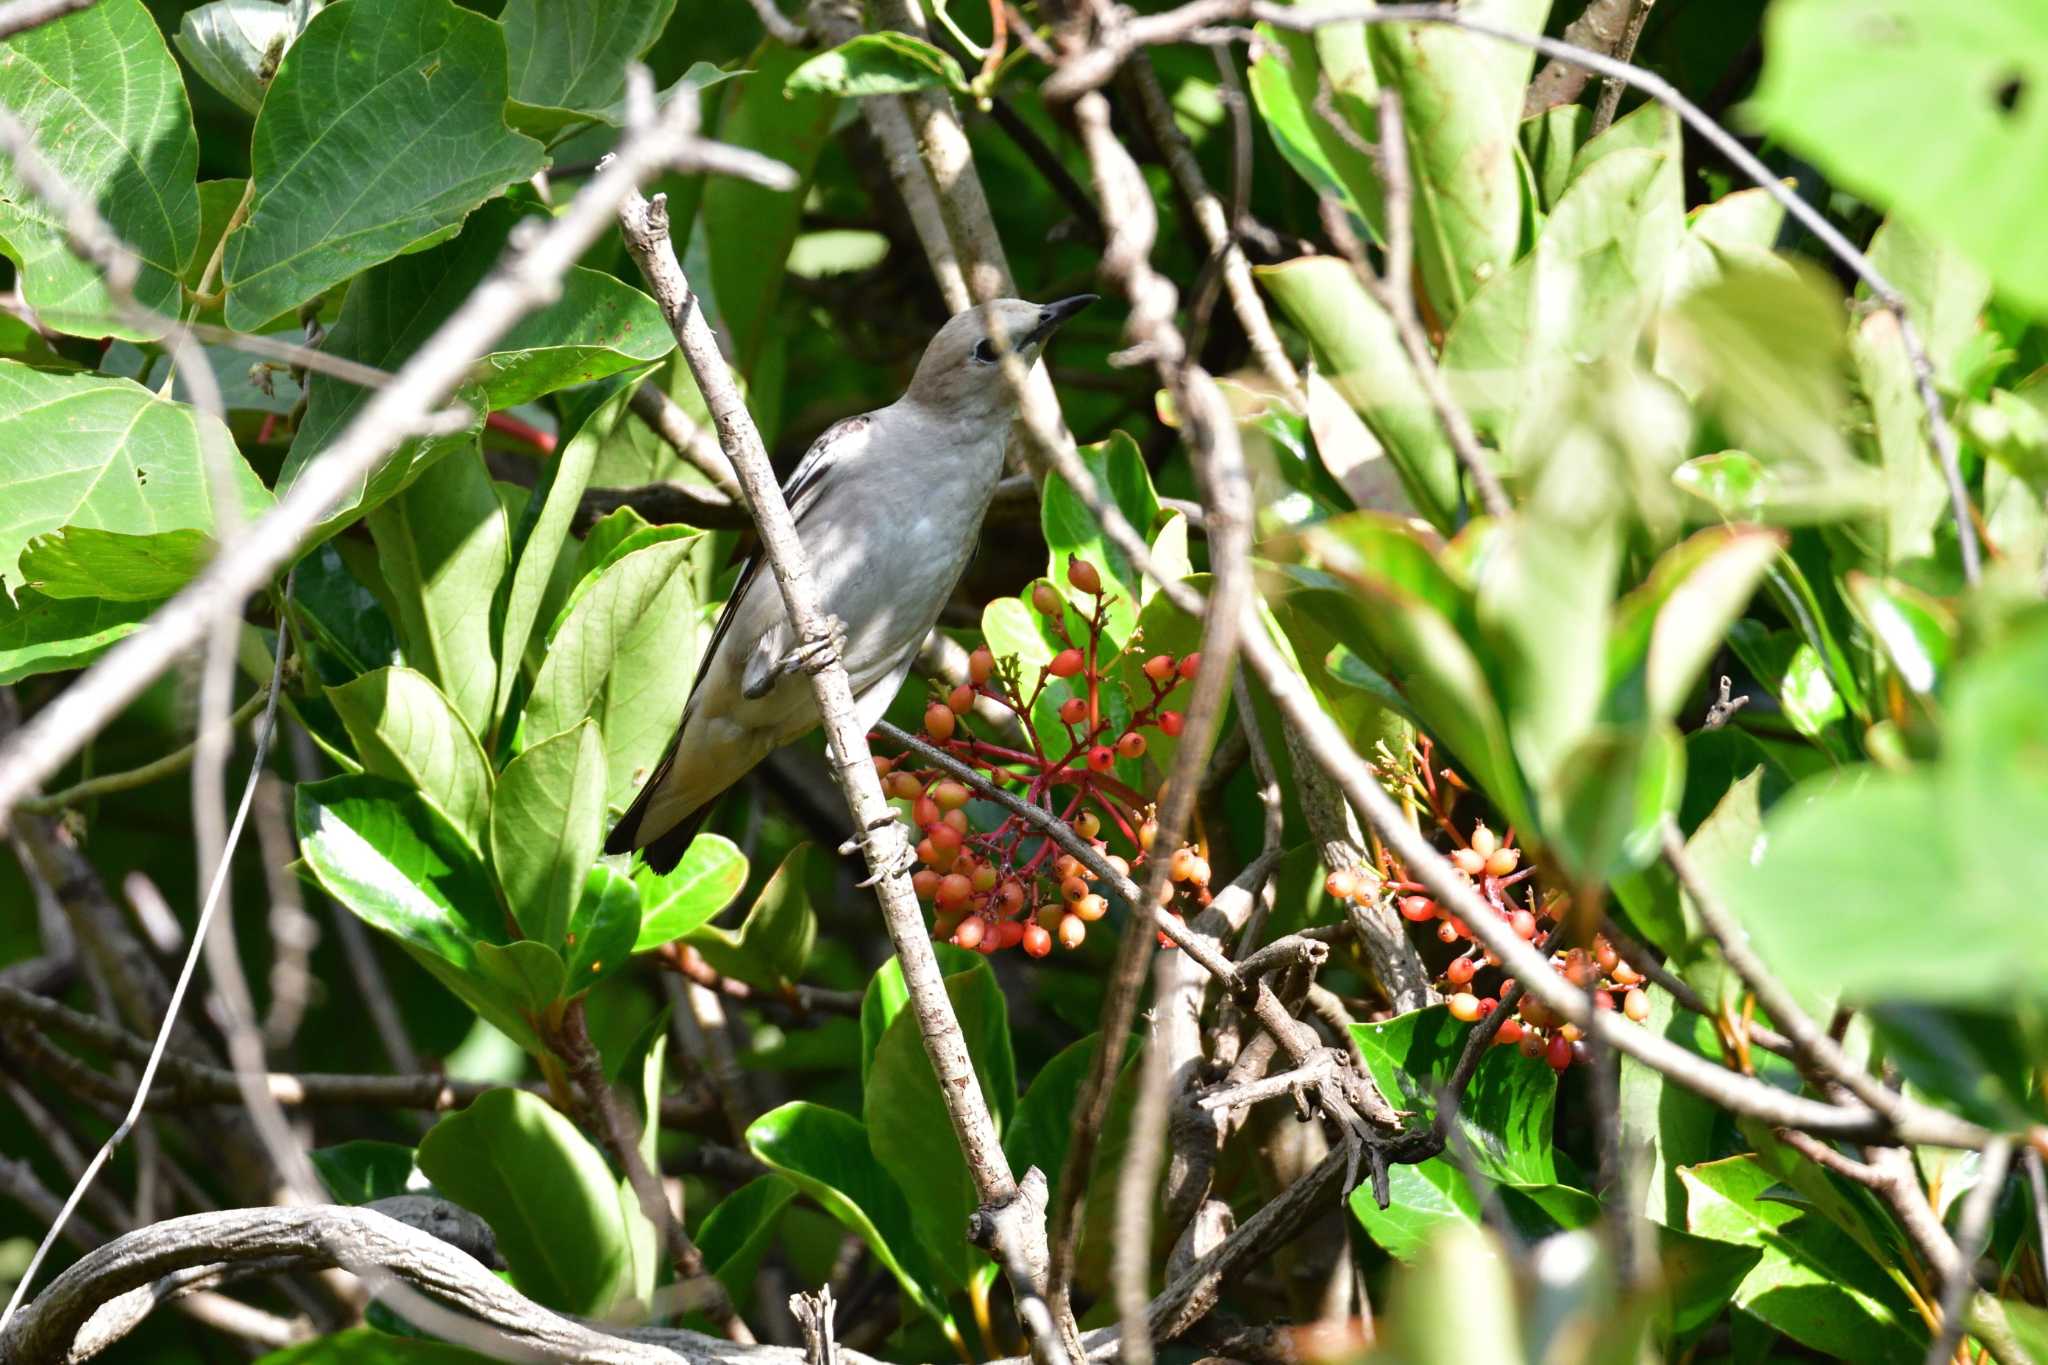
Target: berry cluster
{"x": 1009, "y": 886}
{"x": 1493, "y": 864}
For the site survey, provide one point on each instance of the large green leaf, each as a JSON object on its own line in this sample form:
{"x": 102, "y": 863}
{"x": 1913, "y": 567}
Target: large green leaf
{"x": 397, "y": 864}
{"x": 1358, "y": 350}
{"x": 569, "y": 57}
{"x": 546, "y": 828}
{"x": 235, "y": 45}
{"x": 675, "y": 903}
{"x": 102, "y": 95}
{"x": 539, "y": 535}
{"x": 825, "y": 1153}
{"x": 371, "y": 1346}
{"x": 1668, "y": 629}
{"x": 625, "y": 655}
{"x": 85, "y": 450}
{"x": 85, "y": 561}
{"x": 363, "y": 1170}
{"x": 1424, "y": 1200}
{"x": 41, "y": 634}
{"x": 1813, "y": 1283}
{"x": 739, "y": 1229}
{"x": 597, "y": 327}
{"x": 886, "y": 995}
{"x": 1845, "y": 76}
{"x": 1461, "y": 94}
{"x": 1604, "y": 807}
{"x": 384, "y": 127}
{"x": 885, "y": 63}
{"x": 512, "y": 1159}
{"x": 405, "y": 729}
{"x": 443, "y": 547}
{"x": 908, "y": 1124}
{"x": 774, "y": 941}
{"x": 1505, "y": 1113}
{"x": 1286, "y": 82}
{"x": 1071, "y": 529}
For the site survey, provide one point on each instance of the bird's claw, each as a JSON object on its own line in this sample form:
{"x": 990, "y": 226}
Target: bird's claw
{"x": 852, "y": 846}
{"x": 811, "y": 656}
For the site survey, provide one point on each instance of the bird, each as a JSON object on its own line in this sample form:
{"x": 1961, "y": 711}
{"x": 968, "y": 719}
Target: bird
{"x": 889, "y": 506}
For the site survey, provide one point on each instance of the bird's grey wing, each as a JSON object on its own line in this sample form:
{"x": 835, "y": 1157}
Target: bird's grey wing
{"x": 800, "y": 491}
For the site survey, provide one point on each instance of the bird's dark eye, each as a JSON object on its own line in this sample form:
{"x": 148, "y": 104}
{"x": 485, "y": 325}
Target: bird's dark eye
{"x": 984, "y": 352}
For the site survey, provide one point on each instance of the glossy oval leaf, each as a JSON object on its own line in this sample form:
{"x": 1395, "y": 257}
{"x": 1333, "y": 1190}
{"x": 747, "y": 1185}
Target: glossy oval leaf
{"x": 712, "y": 872}
{"x": 88, "y": 451}
{"x": 602, "y": 930}
{"x": 553, "y": 1203}
{"x": 546, "y": 828}
{"x": 384, "y": 127}
{"x": 101, "y": 93}
{"x": 405, "y": 730}
{"x": 774, "y": 941}
{"x": 568, "y": 58}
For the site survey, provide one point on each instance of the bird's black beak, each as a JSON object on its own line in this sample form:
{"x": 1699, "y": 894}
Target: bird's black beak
{"x": 1053, "y": 314}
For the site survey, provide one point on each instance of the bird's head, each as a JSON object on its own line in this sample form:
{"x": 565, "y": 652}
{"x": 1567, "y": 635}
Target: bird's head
{"x": 961, "y": 368}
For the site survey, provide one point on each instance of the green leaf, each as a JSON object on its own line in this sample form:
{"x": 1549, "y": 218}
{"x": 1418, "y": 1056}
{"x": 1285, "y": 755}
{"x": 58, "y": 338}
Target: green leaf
{"x": 597, "y": 327}
{"x": 101, "y": 93}
{"x": 1915, "y": 494}
{"x": 106, "y": 455}
{"x": 1700, "y": 1276}
{"x": 361, "y": 1171}
{"x": 398, "y": 865}
{"x": 1916, "y": 633}
{"x": 737, "y": 1232}
{"x": 1286, "y": 84}
{"x": 531, "y": 973}
{"x": 444, "y": 548}
{"x": 886, "y": 63}
{"x": 774, "y": 942}
{"x": 1812, "y": 1283}
{"x": 341, "y": 615}
{"x": 1461, "y": 95}
{"x": 673, "y": 904}
{"x": 546, "y": 1192}
{"x": 41, "y": 634}
{"x": 1844, "y": 76}
{"x": 886, "y": 995}
{"x": 1506, "y": 1111}
{"x": 571, "y": 55}
{"x": 538, "y": 538}
{"x": 826, "y": 1155}
{"x": 404, "y": 729}
{"x": 1669, "y": 1125}
{"x": 84, "y": 561}
{"x": 546, "y": 828}
{"x": 1043, "y": 1125}
{"x": 625, "y": 656}
{"x": 1425, "y": 1200}
{"x": 414, "y": 88}
{"x": 602, "y": 931}
{"x": 1667, "y": 630}
{"x": 236, "y": 45}
{"x": 1358, "y": 350}
{"x": 1071, "y": 529}
{"x": 908, "y": 1125}
{"x": 1610, "y": 797}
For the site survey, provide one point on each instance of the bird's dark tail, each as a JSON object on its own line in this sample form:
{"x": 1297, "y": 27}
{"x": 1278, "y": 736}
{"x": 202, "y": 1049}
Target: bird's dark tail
{"x": 664, "y": 853}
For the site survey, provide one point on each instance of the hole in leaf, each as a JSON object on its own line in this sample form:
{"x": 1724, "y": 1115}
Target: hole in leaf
{"x": 2008, "y": 93}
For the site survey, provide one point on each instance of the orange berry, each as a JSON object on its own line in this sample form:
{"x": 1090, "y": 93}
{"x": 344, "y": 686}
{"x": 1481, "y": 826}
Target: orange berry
{"x": 1502, "y": 861}
{"x": 883, "y": 765}
{"x": 1464, "y": 1007}
{"x": 1446, "y": 932}
{"x": 926, "y": 853}
{"x": 954, "y": 892}
{"x": 1198, "y": 870}
{"x": 1066, "y": 663}
{"x": 970, "y": 932}
{"x": 1010, "y": 896}
{"x": 1159, "y": 667}
{"x": 904, "y": 787}
{"x": 1418, "y": 909}
{"x": 1468, "y": 862}
{"x": 925, "y": 882}
{"x": 1523, "y": 923}
{"x": 1625, "y": 975}
{"x": 1101, "y": 759}
{"x": 1181, "y": 864}
{"x": 1036, "y": 940}
{"x": 1191, "y": 665}
{"x": 1047, "y": 599}
{"x": 1087, "y": 824}
{"x": 1118, "y": 865}
{"x": 1082, "y": 575}
{"x": 1073, "y": 710}
{"x": 1147, "y": 832}
{"x": 1073, "y": 933}
{"x": 1636, "y": 1006}
{"x": 925, "y": 811}
{"x": 1484, "y": 841}
{"x": 984, "y": 878}
{"x": 956, "y": 820}
{"x": 1170, "y": 723}
{"x": 1065, "y": 866}
{"x": 981, "y": 665}
{"x": 943, "y": 837}
{"x": 1510, "y": 1032}
{"x": 1132, "y": 745}
{"x": 1072, "y": 889}
{"x": 939, "y": 721}
{"x": 1461, "y": 970}
{"x": 960, "y": 700}
{"x": 949, "y": 795}
{"x": 1341, "y": 884}
{"x": 1091, "y": 908}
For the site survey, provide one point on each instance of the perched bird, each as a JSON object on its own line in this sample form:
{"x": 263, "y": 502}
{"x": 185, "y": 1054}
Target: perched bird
{"x": 889, "y": 504}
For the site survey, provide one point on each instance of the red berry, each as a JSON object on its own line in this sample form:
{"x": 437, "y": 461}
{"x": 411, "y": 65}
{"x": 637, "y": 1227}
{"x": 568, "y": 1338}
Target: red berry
{"x": 1066, "y": 663}
{"x": 1461, "y": 970}
{"x": 1131, "y": 745}
{"x": 1558, "y": 1053}
{"x": 954, "y": 891}
{"x": 1159, "y": 667}
{"x": 939, "y": 721}
{"x": 1082, "y": 575}
{"x": 1009, "y": 934}
{"x": 1487, "y": 1005}
{"x": 943, "y": 838}
{"x": 1074, "y": 710}
{"x": 1047, "y": 599}
{"x": 1191, "y": 665}
{"x": 960, "y": 700}
{"x": 970, "y": 932}
{"x": 981, "y": 665}
{"x": 1170, "y": 723}
{"x": 1073, "y": 933}
{"x": 925, "y": 882}
{"x": 1510, "y": 1032}
{"x": 1101, "y": 759}
{"x": 927, "y": 854}
{"x": 925, "y": 811}
{"x": 1036, "y": 940}
{"x": 1418, "y": 909}
{"x": 883, "y": 765}
{"x": 1604, "y": 999}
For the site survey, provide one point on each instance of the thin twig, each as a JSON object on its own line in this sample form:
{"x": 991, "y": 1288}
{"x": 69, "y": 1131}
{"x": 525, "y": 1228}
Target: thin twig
{"x": 1625, "y": 50}
{"x": 19, "y": 16}
{"x": 106, "y": 784}
{"x": 1973, "y": 1231}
